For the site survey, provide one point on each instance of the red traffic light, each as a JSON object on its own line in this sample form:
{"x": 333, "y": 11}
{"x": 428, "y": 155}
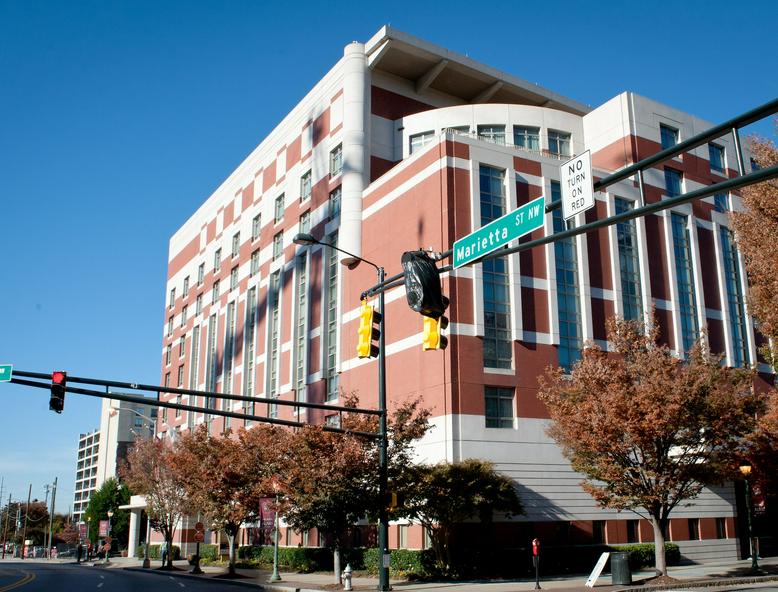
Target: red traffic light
{"x": 58, "y": 377}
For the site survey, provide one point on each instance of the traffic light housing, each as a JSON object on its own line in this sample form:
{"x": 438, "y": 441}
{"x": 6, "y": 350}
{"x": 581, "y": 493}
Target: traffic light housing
{"x": 433, "y": 337}
{"x": 422, "y": 284}
{"x": 59, "y": 381}
{"x": 369, "y": 331}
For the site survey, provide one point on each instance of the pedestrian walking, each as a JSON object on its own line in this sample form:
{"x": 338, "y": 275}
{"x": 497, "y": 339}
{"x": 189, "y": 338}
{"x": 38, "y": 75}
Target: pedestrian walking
{"x": 163, "y": 552}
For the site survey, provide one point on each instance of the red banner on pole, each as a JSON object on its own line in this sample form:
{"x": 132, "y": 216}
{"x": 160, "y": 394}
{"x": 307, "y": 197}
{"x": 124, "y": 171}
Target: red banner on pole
{"x": 103, "y": 528}
{"x": 267, "y": 513}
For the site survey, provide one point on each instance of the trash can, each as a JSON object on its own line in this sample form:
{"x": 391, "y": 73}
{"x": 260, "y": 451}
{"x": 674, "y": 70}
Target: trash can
{"x": 620, "y": 573}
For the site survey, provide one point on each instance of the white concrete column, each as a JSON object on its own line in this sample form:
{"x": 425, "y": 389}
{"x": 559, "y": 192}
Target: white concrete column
{"x": 132, "y": 540}
{"x": 356, "y": 106}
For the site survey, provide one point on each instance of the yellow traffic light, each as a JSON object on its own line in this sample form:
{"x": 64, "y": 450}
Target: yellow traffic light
{"x": 433, "y": 337}
{"x": 368, "y": 331}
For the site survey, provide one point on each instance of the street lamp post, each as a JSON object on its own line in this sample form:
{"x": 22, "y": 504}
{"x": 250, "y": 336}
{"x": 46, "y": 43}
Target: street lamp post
{"x": 745, "y": 470}
{"x": 383, "y": 476}
{"x": 275, "y": 577}
{"x": 89, "y": 536}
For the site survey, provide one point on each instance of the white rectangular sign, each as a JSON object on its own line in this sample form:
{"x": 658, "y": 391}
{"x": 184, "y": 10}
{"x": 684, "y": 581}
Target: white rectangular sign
{"x": 577, "y": 185}
{"x": 597, "y": 570}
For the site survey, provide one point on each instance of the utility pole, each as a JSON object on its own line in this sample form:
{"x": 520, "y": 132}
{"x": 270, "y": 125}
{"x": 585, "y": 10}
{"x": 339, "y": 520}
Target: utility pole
{"x": 26, "y": 515}
{"x": 5, "y": 530}
{"x": 51, "y": 516}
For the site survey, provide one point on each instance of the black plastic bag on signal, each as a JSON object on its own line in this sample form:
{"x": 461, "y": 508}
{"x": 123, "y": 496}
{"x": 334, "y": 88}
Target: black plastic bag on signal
{"x": 422, "y": 284}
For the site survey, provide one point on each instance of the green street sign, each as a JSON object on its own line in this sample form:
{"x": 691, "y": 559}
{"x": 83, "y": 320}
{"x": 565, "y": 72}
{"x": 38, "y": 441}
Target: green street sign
{"x": 499, "y": 232}
{"x": 6, "y": 371}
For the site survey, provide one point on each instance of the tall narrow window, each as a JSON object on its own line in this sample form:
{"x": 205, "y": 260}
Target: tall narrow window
{"x": 200, "y": 273}
{"x": 215, "y": 292}
{"x": 184, "y": 311}
{"x": 234, "y": 278}
{"x": 735, "y": 299}
{"x": 170, "y": 326}
{"x": 687, "y": 309}
{"x": 629, "y": 264}
{"x": 236, "y": 244}
{"x": 499, "y": 407}
{"x": 256, "y": 225}
{"x": 331, "y": 347}
{"x": 217, "y": 260}
{"x": 336, "y": 161}
{"x": 305, "y": 186}
{"x": 199, "y": 304}
{"x": 248, "y": 349}
{"x": 673, "y": 180}
{"x": 498, "y": 347}
{"x": 172, "y": 297}
{"x": 186, "y": 286}
{"x": 568, "y": 301}
{"x": 305, "y": 222}
{"x": 181, "y": 346}
{"x": 558, "y": 143}
{"x": 168, "y": 351}
{"x": 720, "y": 202}
{"x": 273, "y": 330}
{"x": 526, "y": 137}
{"x": 334, "y": 203}
{"x": 668, "y": 135}
{"x": 492, "y": 133}
{"x": 716, "y": 156}
{"x": 211, "y": 358}
{"x": 180, "y": 383}
{"x": 254, "y": 265}
{"x": 278, "y": 244}
{"x": 633, "y": 531}
{"x": 229, "y": 349}
{"x": 279, "y": 209}
{"x": 300, "y": 337}
{"x": 194, "y": 367}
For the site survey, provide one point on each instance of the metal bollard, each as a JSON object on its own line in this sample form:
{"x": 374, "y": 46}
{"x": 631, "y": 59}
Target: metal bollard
{"x": 346, "y": 577}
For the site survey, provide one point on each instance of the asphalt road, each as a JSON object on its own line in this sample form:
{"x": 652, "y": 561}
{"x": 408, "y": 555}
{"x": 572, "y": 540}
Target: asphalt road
{"x": 29, "y": 576}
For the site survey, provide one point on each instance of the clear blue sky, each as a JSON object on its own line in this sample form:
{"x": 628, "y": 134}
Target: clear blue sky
{"x": 118, "y": 119}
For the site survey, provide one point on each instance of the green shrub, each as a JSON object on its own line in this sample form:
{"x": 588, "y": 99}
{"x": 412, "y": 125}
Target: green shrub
{"x": 209, "y": 552}
{"x": 404, "y": 562}
{"x": 299, "y": 559}
{"x": 642, "y": 554}
{"x": 154, "y": 552}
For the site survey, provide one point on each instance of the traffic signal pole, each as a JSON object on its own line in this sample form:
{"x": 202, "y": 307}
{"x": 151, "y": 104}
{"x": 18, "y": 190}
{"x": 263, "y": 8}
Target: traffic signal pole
{"x": 383, "y": 461}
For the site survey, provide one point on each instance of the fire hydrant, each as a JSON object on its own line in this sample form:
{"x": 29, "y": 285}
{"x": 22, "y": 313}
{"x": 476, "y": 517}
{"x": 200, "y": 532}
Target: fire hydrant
{"x": 346, "y": 577}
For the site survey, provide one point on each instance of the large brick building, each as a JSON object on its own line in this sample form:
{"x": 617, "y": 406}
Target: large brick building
{"x": 401, "y": 145}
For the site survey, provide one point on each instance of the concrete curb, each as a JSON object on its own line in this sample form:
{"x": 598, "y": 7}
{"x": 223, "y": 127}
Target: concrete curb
{"x": 703, "y": 583}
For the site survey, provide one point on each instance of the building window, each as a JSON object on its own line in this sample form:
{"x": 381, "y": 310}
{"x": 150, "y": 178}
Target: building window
{"x": 305, "y": 186}
{"x": 248, "y": 350}
{"x": 492, "y": 133}
{"x": 194, "y": 366}
{"x": 168, "y": 350}
{"x": 186, "y": 286}
{"x": 300, "y": 337}
{"x": 331, "y": 343}
{"x": 633, "y": 531}
{"x": 721, "y": 528}
{"x": 254, "y": 265}
{"x": 180, "y": 382}
{"x": 526, "y": 137}
{"x": 687, "y": 310}
{"x": 333, "y": 205}
{"x": 234, "y": 278}
{"x": 167, "y": 380}
{"x": 199, "y": 304}
{"x": 668, "y": 135}
{"x": 273, "y": 331}
{"x": 418, "y": 141}
{"x": 568, "y": 301}
{"x": 229, "y": 349}
{"x": 735, "y": 298}
{"x": 558, "y": 143}
{"x": 278, "y": 212}
{"x": 598, "y": 532}
{"x": 333, "y": 420}
{"x": 336, "y": 161}
{"x": 256, "y": 225}
{"x": 694, "y": 529}
{"x": 172, "y": 297}
{"x": 720, "y": 202}
{"x": 200, "y": 273}
{"x": 305, "y": 222}
{"x": 499, "y": 407}
{"x": 178, "y": 401}
{"x": 236, "y": 244}
{"x": 278, "y": 244}
{"x": 170, "y": 326}
{"x": 184, "y": 310}
{"x": 716, "y": 157}
{"x": 217, "y": 260}
{"x": 181, "y": 346}
{"x": 215, "y": 292}
{"x": 211, "y": 358}
{"x": 673, "y": 180}
{"x": 402, "y": 536}
{"x": 629, "y": 263}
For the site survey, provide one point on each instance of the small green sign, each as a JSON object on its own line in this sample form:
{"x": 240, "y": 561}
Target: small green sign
{"x": 6, "y": 371}
{"x": 499, "y": 232}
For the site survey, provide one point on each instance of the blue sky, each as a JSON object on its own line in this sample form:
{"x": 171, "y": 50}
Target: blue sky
{"x": 118, "y": 119}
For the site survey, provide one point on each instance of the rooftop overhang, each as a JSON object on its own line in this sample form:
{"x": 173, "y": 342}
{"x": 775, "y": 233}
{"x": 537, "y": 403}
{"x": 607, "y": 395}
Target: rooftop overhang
{"x": 433, "y": 68}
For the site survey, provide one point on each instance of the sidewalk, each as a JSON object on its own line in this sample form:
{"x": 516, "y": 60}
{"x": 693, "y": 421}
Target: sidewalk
{"x": 699, "y": 575}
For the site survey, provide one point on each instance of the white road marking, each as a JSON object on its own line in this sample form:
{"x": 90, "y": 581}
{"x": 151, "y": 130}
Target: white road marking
{"x": 102, "y": 577}
{"x": 100, "y": 585}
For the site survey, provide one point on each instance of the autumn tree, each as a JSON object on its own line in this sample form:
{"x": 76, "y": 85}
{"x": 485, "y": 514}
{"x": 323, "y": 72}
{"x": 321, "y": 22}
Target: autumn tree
{"x": 443, "y": 495}
{"x": 149, "y": 472}
{"x": 108, "y": 498}
{"x": 756, "y": 230}
{"x": 222, "y": 477}
{"x": 646, "y": 429}
{"x": 331, "y": 479}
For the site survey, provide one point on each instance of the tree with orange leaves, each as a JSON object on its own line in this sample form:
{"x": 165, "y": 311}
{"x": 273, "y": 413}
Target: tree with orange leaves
{"x": 646, "y": 429}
